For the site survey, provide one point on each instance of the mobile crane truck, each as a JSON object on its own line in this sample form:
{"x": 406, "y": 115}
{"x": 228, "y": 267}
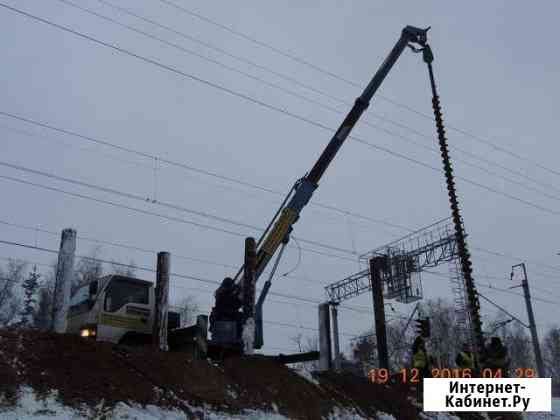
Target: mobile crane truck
{"x": 120, "y": 309}
{"x": 232, "y": 295}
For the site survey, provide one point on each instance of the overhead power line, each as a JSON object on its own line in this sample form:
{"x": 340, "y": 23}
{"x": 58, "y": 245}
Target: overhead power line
{"x": 312, "y": 101}
{"x": 502, "y": 309}
{"x": 206, "y": 291}
{"x": 277, "y": 323}
{"x": 328, "y": 107}
{"x": 497, "y": 289}
{"x": 261, "y": 188}
{"x": 184, "y": 276}
{"x": 336, "y": 76}
{"x": 188, "y": 167}
{"x": 266, "y": 105}
{"x": 144, "y": 250}
{"x": 163, "y": 204}
{"x": 151, "y": 213}
{"x": 148, "y": 269}
{"x": 516, "y": 258}
{"x": 38, "y": 18}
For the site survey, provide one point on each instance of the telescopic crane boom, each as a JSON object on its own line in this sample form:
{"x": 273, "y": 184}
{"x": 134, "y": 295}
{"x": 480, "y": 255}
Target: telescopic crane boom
{"x": 308, "y": 184}
{"x": 304, "y": 188}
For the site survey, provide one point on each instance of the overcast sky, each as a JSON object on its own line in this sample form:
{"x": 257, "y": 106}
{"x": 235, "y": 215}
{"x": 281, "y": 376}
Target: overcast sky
{"x": 497, "y": 71}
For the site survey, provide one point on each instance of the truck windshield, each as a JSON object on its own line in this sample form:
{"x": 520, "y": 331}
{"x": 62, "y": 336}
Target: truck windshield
{"x": 80, "y": 296}
{"x": 121, "y": 291}
{"x": 80, "y": 302}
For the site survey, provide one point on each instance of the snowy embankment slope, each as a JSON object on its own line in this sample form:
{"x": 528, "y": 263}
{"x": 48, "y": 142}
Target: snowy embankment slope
{"x": 555, "y": 414}
{"x": 32, "y": 407}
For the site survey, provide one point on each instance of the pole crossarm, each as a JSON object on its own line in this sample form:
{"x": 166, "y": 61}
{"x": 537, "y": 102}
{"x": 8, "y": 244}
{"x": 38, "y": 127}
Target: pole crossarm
{"x": 425, "y": 248}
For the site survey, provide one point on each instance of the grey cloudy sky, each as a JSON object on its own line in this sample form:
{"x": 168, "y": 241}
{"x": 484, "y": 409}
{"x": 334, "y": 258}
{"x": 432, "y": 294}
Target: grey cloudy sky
{"x": 497, "y": 74}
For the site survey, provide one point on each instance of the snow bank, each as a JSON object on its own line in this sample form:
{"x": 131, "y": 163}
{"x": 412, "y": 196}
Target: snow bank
{"x": 384, "y": 416}
{"x": 555, "y": 414}
{"x": 306, "y": 375}
{"x": 346, "y": 414}
{"x": 31, "y": 407}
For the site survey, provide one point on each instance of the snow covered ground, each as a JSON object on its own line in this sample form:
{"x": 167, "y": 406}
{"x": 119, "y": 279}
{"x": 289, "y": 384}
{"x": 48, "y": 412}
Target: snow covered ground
{"x": 30, "y": 407}
{"x": 555, "y": 414}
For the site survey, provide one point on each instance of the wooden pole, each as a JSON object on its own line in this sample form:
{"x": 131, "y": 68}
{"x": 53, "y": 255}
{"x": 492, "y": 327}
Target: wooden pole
{"x": 159, "y": 330}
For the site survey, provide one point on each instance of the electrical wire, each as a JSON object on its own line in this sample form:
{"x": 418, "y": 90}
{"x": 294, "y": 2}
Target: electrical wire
{"x": 154, "y": 252}
{"x": 328, "y": 107}
{"x": 497, "y": 289}
{"x": 260, "y": 187}
{"x": 292, "y": 93}
{"x": 189, "y": 167}
{"x": 178, "y": 275}
{"x": 122, "y": 148}
{"x": 264, "y": 104}
{"x": 160, "y": 203}
{"x": 151, "y": 213}
{"x": 57, "y": 25}
{"x": 502, "y": 309}
{"x": 322, "y": 70}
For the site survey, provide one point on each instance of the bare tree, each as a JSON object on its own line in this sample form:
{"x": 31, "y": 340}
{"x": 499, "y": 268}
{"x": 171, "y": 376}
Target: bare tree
{"x": 188, "y": 309}
{"x": 443, "y": 343}
{"x": 519, "y": 347}
{"x": 364, "y": 352}
{"x": 309, "y": 344}
{"x": 399, "y": 341}
{"x": 128, "y": 270}
{"x": 87, "y": 269}
{"x": 297, "y": 340}
{"x": 551, "y": 350}
{"x": 10, "y": 302}
{"x": 30, "y": 286}
{"x": 43, "y": 314}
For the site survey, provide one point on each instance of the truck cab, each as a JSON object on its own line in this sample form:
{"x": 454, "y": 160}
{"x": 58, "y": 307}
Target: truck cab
{"x": 114, "y": 308}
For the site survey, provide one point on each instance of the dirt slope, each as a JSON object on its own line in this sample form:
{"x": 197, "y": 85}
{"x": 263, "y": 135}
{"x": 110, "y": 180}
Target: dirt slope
{"x": 86, "y": 372}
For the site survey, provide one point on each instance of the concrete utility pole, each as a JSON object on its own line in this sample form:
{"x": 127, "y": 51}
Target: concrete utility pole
{"x": 375, "y": 265}
{"x": 159, "y": 329}
{"x": 334, "y": 314}
{"x": 249, "y": 280}
{"x": 63, "y": 281}
{"x": 324, "y": 337}
{"x": 531, "y": 316}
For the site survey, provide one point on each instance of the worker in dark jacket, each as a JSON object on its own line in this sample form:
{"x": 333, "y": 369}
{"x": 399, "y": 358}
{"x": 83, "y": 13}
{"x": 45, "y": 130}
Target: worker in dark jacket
{"x": 227, "y": 299}
{"x": 496, "y": 358}
{"x": 227, "y": 304}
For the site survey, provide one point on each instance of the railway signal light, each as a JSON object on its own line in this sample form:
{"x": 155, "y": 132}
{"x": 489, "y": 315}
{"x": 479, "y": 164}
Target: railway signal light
{"x": 423, "y": 327}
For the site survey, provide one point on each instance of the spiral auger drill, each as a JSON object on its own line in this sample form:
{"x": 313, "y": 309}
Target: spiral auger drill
{"x": 464, "y": 255}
